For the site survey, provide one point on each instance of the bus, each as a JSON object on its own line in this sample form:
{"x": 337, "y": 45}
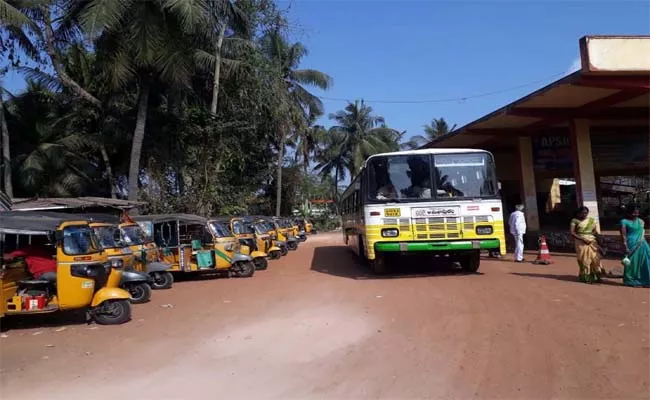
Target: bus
{"x": 441, "y": 202}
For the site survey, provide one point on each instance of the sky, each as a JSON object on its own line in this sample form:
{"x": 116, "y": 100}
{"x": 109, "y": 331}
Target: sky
{"x": 427, "y": 51}
{"x": 432, "y": 50}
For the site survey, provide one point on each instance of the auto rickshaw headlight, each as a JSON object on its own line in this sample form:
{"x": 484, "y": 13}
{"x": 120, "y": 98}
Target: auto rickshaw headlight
{"x": 229, "y": 246}
{"x": 117, "y": 263}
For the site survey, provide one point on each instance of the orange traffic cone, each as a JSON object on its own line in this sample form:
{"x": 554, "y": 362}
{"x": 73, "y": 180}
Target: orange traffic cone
{"x": 544, "y": 256}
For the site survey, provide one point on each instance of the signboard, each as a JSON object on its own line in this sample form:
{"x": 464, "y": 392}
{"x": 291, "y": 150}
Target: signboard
{"x": 616, "y": 151}
{"x": 551, "y": 153}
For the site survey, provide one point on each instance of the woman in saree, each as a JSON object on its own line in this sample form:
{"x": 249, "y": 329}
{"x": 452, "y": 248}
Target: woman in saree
{"x": 637, "y": 271}
{"x": 585, "y": 230}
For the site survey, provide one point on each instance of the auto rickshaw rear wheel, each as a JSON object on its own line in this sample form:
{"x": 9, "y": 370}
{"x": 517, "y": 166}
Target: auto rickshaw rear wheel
{"x": 292, "y": 245}
{"x": 260, "y": 263}
{"x": 284, "y": 251}
{"x": 244, "y": 269}
{"x": 140, "y": 292}
{"x": 162, "y": 280}
{"x": 112, "y": 312}
{"x": 275, "y": 254}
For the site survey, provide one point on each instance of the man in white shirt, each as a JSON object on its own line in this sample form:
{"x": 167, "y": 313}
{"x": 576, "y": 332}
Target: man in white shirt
{"x": 517, "y": 224}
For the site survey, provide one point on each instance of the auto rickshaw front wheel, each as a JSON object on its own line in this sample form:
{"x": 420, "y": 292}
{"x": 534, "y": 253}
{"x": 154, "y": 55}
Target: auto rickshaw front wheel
{"x": 140, "y": 292}
{"x": 112, "y": 312}
{"x": 260, "y": 263}
{"x": 162, "y": 280}
{"x": 284, "y": 251}
{"x": 292, "y": 245}
{"x": 275, "y": 254}
{"x": 244, "y": 269}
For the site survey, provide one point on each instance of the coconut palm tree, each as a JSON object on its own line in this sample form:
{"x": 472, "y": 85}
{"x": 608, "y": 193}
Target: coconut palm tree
{"x": 306, "y": 142}
{"x": 12, "y": 21}
{"x": 433, "y": 130}
{"x": 365, "y": 134}
{"x": 145, "y": 42}
{"x": 295, "y": 103}
{"x": 331, "y": 157}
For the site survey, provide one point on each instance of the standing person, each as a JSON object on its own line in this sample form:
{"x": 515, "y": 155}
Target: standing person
{"x": 585, "y": 230}
{"x": 517, "y": 222}
{"x": 637, "y": 272}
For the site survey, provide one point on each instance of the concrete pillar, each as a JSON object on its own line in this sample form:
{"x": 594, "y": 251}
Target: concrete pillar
{"x": 583, "y": 166}
{"x": 528, "y": 188}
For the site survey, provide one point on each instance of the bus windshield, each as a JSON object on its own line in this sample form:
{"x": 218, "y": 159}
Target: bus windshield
{"x": 418, "y": 177}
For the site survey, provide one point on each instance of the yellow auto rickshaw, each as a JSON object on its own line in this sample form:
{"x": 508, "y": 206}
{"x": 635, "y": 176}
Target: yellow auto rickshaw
{"x": 243, "y": 228}
{"x": 243, "y": 235}
{"x": 84, "y": 276}
{"x": 266, "y": 229}
{"x": 305, "y": 225}
{"x": 284, "y": 230}
{"x": 146, "y": 253}
{"x": 135, "y": 282}
{"x": 189, "y": 244}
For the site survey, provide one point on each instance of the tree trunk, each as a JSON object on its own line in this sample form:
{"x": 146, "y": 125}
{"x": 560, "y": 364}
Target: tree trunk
{"x": 217, "y": 70}
{"x": 336, "y": 189}
{"x": 109, "y": 170}
{"x": 278, "y": 193}
{"x": 52, "y": 52}
{"x": 6, "y": 154}
{"x": 138, "y": 139}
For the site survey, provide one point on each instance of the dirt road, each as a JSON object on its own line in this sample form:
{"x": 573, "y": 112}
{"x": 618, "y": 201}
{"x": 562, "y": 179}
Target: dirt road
{"x": 317, "y": 325}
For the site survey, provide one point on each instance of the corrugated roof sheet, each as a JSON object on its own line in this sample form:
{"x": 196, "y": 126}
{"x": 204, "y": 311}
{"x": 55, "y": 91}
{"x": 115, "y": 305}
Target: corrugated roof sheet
{"x": 53, "y": 203}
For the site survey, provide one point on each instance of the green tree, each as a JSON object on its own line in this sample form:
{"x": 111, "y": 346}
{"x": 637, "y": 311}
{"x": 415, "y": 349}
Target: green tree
{"x": 364, "y": 134}
{"x": 433, "y": 130}
{"x": 295, "y": 102}
{"x": 145, "y": 42}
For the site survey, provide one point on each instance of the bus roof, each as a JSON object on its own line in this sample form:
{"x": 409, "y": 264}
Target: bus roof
{"x": 425, "y": 151}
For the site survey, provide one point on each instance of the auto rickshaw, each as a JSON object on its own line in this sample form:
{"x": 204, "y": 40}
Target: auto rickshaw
{"x": 188, "y": 245}
{"x": 285, "y": 232}
{"x": 243, "y": 235}
{"x": 266, "y": 229}
{"x": 135, "y": 282}
{"x": 243, "y": 228}
{"x": 298, "y": 230}
{"x": 147, "y": 256}
{"x": 84, "y": 276}
{"x": 306, "y": 225}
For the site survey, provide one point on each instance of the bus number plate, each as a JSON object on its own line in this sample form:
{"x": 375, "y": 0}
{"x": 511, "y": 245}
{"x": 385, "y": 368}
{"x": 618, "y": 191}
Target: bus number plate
{"x": 435, "y": 212}
{"x": 392, "y": 212}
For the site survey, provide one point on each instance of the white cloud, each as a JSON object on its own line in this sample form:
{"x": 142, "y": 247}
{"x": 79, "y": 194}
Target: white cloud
{"x": 575, "y": 65}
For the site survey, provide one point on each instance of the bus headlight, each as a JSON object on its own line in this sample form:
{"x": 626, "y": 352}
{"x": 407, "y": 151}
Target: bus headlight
{"x": 484, "y": 230}
{"x": 392, "y": 232}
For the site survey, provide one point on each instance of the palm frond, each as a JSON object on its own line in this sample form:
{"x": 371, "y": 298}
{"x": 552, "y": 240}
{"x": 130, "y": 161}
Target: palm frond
{"x": 98, "y": 15}
{"x": 41, "y": 78}
{"x": 312, "y": 77}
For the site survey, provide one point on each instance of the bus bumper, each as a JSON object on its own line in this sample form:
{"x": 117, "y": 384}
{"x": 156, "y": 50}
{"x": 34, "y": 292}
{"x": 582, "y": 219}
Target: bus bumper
{"x": 444, "y": 246}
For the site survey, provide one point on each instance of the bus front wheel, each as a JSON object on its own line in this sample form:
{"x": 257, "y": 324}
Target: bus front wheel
{"x": 378, "y": 265}
{"x": 471, "y": 262}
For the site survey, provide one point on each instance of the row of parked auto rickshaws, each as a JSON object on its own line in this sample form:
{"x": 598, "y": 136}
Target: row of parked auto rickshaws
{"x": 105, "y": 263}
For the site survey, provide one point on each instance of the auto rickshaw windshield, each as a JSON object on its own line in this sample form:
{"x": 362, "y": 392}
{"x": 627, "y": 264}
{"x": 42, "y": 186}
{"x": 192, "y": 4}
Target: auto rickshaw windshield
{"x": 134, "y": 235}
{"x": 241, "y": 227}
{"x": 219, "y": 229}
{"x": 107, "y": 236}
{"x": 79, "y": 240}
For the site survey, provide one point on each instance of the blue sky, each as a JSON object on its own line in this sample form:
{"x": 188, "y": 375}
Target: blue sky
{"x": 429, "y": 50}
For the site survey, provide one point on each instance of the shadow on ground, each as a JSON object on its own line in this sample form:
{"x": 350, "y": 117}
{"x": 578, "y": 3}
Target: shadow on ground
{"x": 341, "y": 261}
{"x": 49, "y": 320}
{"x": 566, "y": 278}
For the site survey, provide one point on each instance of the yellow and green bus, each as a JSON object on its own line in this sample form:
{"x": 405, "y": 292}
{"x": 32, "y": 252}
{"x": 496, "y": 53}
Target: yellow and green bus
{"x": 444, "y": 202}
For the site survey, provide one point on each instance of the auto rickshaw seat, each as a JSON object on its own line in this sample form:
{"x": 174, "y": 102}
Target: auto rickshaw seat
{"x": 34, "y": 282}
